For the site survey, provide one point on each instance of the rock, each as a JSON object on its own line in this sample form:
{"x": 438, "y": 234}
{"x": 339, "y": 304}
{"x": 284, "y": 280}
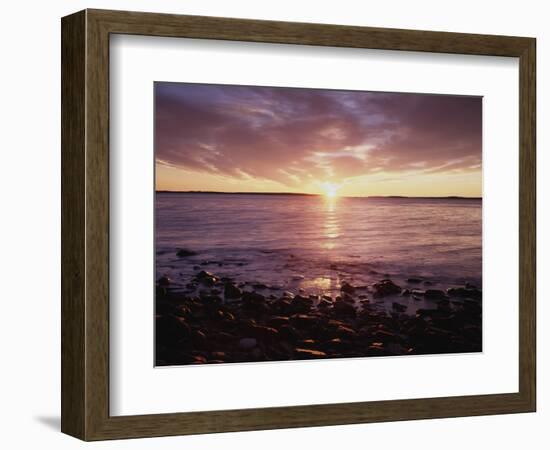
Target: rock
{"x": 384, "y": 288}
{"x": 206, "y": 278}
{"x": 323, "y": 304}
{"x": 405, "y": 293}
{"x": 305, "y": 353}
{"x": 435, "y": 294}
{"x": 183, "y": 252}
{"x": 232, "y": 291}
{"x": 198, "y": 338}
{"x": 344, "y": 309}
{"x": 345, "y": 332}
{"x": 427, "y": 283}
{"x": 288, "y": 294}
{"x": 288, "y": 333}
{"x": 399, "y": 307}
{"x": 170, "y": 330}
{"x": 414, "y": 280}
{"x": 163, "y": 281}
{"x": 299, "y": 306}
{"x": 468, "y": 292}
{"x": 304, "y": 321}
{"x": 347, "y": 288}
{"x": 247, "y": 343}
{"x": 252, "y": 298}
{"x": 278, "y": 321}
{"x": 308, "y": 343}
{"x": 259, "y": 286}
{"x": 264, "y": 333}
{"x": 348, "y": 298}
{"x": 328, "y": 298}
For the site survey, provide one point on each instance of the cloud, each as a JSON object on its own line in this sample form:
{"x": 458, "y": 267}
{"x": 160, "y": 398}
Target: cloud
{"x": 291, "y": 136}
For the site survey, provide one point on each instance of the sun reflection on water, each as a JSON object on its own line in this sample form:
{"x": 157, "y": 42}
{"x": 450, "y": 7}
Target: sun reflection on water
{"x": 331, "y": 225}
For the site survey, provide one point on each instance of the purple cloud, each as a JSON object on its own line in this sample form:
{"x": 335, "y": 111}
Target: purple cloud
{"x": 295, "y": 135}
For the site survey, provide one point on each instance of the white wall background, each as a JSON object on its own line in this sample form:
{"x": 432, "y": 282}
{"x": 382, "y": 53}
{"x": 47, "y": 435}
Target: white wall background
{"x": 30, "y": 221}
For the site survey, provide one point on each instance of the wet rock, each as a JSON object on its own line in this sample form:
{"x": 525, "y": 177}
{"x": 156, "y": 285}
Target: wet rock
{"x": 252, "y": 298}
{"x": 183, "y": 252}
{"x": 324, "y": 304}
{"x": 199, "y": 359}
{"x": 461, "y": 292}
{"x": 385, "y": 336}
{"x": 171, "y": 329}
{"x": 346, "y": 332}
{"x": 343, "y": 309}
{"x": 405, "y": 293}
{"x": 288, "y": 333}
{"x": 305, "y": 353}
{"x": 307, "y": 343}
{"x": 198, "y": 338}
{"x": 247, "y": 343}
{"x": 232, "y": 291}
{"x": 384, "y": 288}
{"x": 414, "y": 280}
{"x": 164, "y": 281}
{"x": 304, "y": 321}
{"x": 278, "y": 321}
{"x": 210, "y": 298}
{"x": 206, "y": 278}
{"x": 348, "y": 298}
{"x": 435, "y": 294}
{"x": 399, "y": 307}
{"x": 301, "y": 304}
{"x": 264, "y": 333}
{"x": 347, "y": 288}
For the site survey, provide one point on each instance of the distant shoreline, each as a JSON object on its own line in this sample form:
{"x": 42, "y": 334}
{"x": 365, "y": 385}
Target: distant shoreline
{"x": 300, "y": 194}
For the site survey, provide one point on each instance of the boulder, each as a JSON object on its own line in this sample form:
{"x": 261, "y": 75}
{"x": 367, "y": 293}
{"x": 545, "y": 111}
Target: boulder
{"x": 384, "y": 288}
{"x": 468, "y": 292}
{"x": 163, "y": 281}
{"x": 435, "y": 294}
{"x": 247, "y": 343}
{"x": 344, "y": 309}
{"x": 347, "y": 288}
{"x": 232, "y": 291}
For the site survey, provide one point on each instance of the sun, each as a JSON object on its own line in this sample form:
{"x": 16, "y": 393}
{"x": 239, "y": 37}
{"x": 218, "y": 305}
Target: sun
{"x": 330, "y": 189}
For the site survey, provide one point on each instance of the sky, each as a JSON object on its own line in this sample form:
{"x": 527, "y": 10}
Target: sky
{"x": 356, "y": 143}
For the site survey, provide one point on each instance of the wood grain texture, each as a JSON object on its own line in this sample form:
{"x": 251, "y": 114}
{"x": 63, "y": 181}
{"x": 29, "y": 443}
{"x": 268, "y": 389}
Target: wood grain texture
{"x": 85, "y": 224}
{"x": 73, "y": 225}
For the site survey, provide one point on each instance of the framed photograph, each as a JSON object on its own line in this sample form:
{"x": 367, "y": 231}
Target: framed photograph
{"x": 272, "y": 225}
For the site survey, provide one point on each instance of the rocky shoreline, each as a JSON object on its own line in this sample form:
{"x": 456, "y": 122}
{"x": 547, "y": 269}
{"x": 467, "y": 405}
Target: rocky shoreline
{"x": 220, "y": 321}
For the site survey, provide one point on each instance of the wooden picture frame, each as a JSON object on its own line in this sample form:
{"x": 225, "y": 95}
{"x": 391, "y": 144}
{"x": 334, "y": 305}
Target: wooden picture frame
{"x": 85, "y": 224}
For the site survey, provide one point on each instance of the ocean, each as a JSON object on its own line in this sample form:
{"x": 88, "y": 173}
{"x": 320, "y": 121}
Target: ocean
{"x": 312, "y": 244}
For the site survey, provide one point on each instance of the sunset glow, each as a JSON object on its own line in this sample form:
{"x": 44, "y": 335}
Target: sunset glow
{"x": 334, "y": 143}
{"x": 330, "y": 190}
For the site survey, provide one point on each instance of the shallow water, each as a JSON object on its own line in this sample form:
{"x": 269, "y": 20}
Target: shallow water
{"x": 313, "y": 243}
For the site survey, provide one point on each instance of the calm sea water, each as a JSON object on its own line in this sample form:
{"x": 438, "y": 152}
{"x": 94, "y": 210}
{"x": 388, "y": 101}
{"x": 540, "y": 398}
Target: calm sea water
{"x": 314, "y": 244}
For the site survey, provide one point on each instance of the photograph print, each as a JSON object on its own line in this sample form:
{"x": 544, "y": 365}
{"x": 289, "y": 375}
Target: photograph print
{"x": 299, "y": 223}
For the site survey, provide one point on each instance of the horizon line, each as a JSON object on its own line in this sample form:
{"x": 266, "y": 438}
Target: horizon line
{"x": 305, "y": 194}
